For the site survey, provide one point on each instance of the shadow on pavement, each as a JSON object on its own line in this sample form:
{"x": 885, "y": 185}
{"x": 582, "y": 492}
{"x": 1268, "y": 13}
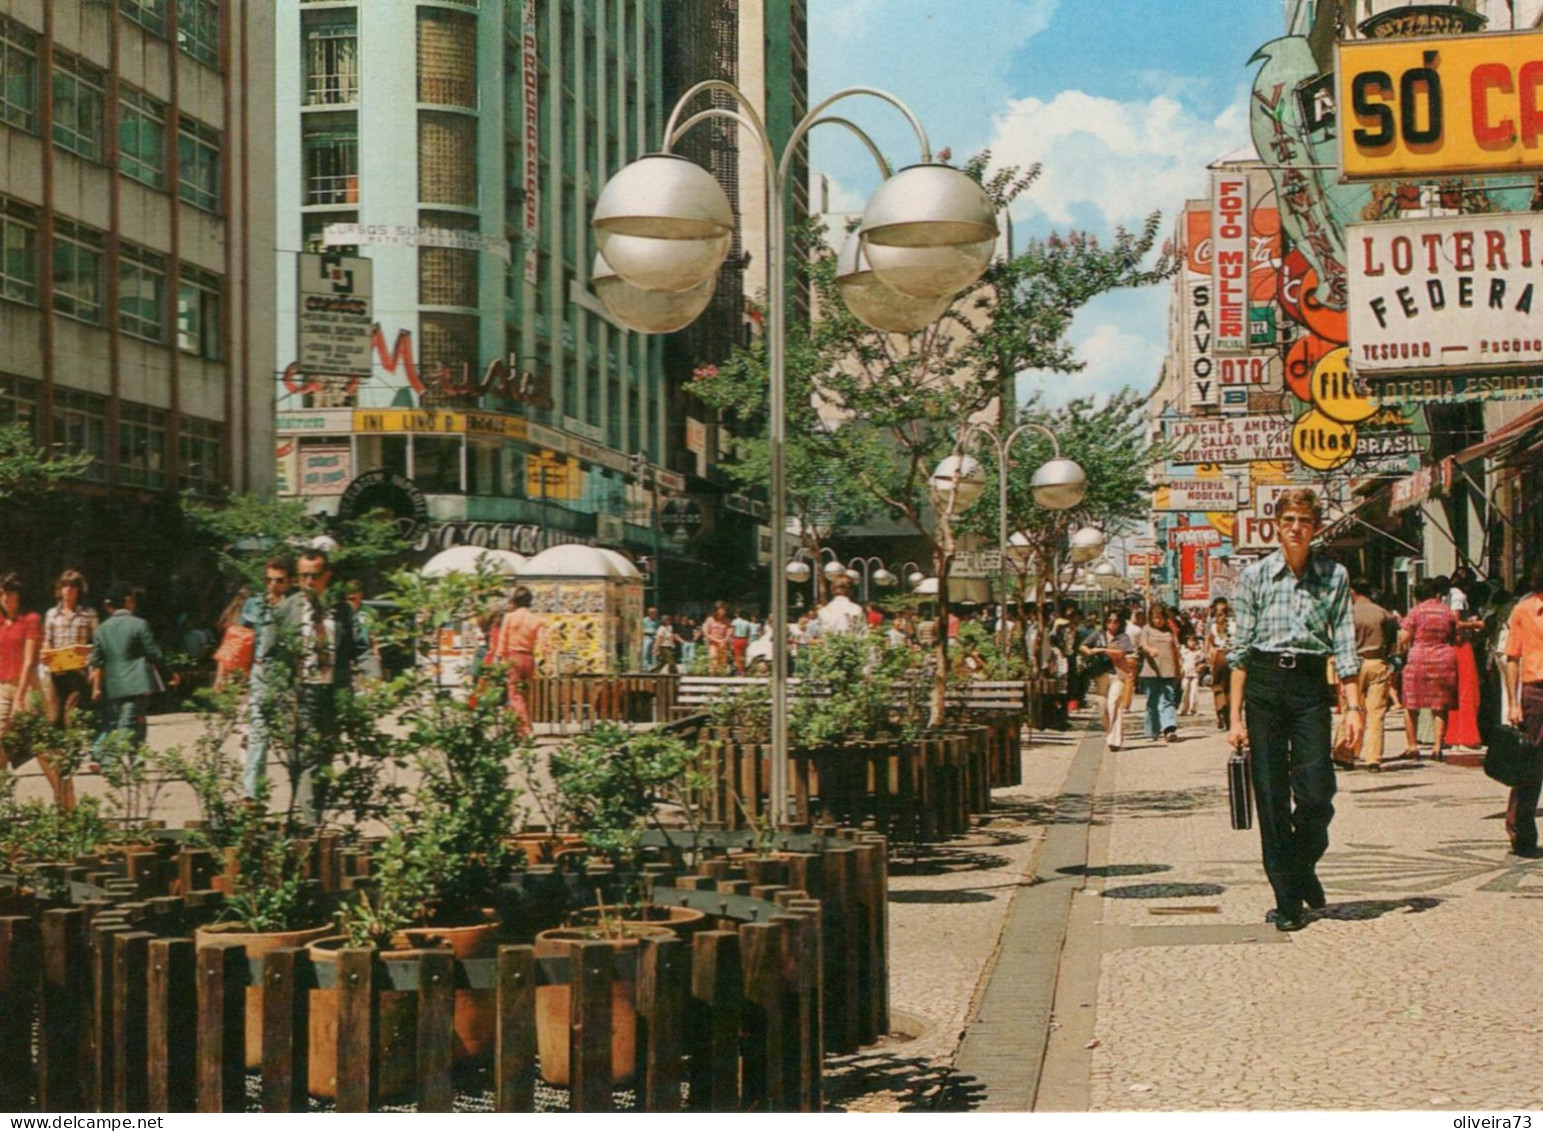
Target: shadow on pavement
{"x": 965, "y": 896}
{"x": 1161, "y": 803}
{"x": 889, "y": 1082}
{"x": 1110, "y": 870}
{"x": 942, "y": 861}
{"x": 1376, "y": 908}
{"x": 1162, "y": 891}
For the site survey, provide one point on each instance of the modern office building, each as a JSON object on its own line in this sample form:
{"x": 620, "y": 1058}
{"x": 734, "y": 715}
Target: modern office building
{"x": 439, "y": 162}
{"x": 137, "y": 282}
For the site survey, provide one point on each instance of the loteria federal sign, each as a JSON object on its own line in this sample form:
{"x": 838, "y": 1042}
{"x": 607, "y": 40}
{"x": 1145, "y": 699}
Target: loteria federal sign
{"x": 1457, "y": 292}
{"x": 1428, "y": 106}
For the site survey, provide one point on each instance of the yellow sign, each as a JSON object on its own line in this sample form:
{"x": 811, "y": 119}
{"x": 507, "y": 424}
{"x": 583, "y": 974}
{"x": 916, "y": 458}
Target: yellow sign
{"x": 1268, "y": 471}
{"x": 550, "y": 476}
{"x": 1433, "y": 106}
{"x": 1160, "y": 498}
{"x": 427, "y": 420}
{"x": 1334, "y": 391}
{"x": 1224, "y": 521}
{"x": 1320, "y": 443}
{"x": 408, "y": 420}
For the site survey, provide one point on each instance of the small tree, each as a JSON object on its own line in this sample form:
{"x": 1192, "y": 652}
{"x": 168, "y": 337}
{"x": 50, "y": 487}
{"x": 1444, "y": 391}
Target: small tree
{"x": 905, "y": 398}
{"x": 27, "y": 470}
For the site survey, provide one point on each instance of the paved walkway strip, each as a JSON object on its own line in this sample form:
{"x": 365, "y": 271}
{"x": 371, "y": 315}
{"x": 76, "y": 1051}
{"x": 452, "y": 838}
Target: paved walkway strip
{"x": 1004, "y": 1047}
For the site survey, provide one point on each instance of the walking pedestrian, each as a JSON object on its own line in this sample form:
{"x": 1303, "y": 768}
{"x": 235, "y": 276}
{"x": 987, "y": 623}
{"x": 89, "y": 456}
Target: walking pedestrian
{"x": 1159, "y": 651}
{"x": 650, "y": 631}
{"x": 739, "y": 639}
{"x": 1524, "y": 679}
{"x": 1191, "y": 659}
{"x": 264, "y": 686}
{"x": 21, "y": 637}
{"x": 1293, "y": 614}
{"x": 329, "y": 645}
{"x": 68, "y": 629}
{"x": 841, "y": 613}
{"x": 666, "y": 644}
{"x": 124, "y": 663}
{"x": 718, "y": 631}
{"x": 521, "y": 638}
{"x": 1116, "y": 646}
{"x": 1374, "y": 634}
{"x": 1429, "y": 632}
{"x": 1219, "y": 644}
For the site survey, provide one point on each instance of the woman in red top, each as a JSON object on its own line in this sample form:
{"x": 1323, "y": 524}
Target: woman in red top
{"x": 21, "y": 639}
{"x": 1430, "y": 674}
{"x": 519, "y": 637}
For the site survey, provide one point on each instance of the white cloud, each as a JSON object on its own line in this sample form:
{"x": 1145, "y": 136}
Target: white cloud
{"x": 1118, "y": 159}
{"x": 1116, "y": 353}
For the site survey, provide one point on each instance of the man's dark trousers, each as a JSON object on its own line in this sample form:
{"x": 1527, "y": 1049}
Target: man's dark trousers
{"x": 1289, "y": 736}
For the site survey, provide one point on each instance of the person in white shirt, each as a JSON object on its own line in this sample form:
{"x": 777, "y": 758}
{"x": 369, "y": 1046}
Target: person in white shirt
{"x": 841, "y": 613}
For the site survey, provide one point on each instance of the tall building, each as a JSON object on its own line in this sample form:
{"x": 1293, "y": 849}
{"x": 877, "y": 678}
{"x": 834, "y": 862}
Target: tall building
{"x": 137, "y": 276}
{"x": 439, "y": 163}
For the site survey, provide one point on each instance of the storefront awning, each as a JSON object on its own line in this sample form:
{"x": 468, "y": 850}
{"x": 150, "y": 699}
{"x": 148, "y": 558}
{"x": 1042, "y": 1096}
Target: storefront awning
{"x": 1521, "y": 437}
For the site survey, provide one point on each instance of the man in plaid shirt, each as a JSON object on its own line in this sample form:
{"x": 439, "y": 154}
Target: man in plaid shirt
{"x": 1293, "y": 612}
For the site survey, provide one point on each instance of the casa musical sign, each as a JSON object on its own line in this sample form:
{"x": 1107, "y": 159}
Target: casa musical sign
{"x": 1431, "y": 107}
{"x": 1452, "y": 293}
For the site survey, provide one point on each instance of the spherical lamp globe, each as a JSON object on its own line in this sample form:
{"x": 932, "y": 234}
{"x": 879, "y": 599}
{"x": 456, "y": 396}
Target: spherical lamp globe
{"x": 663, "y": 223}
{"x": 798, "y": 572}
{"x": 959, "y": 479}
{"x": 875, "y": 303}
{"x": 1059, "y": 485}
{"x": 928, "y": 231}
{"x": 649, "y": 312}
{"x": 1087, "y": 543}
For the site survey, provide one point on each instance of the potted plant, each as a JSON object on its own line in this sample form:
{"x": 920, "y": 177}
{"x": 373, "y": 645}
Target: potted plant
{"x": 435, "y": 880}
{"x": 611, "y": 784}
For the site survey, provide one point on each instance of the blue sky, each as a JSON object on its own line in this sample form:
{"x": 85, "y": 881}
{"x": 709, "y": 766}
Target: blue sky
{"x": 1123, "y": 101}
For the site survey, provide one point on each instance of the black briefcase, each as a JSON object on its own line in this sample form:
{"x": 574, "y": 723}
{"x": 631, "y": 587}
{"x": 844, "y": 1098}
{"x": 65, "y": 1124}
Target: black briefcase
{"x": 1511, "y": 759}
{"x": 1240, "y": 798}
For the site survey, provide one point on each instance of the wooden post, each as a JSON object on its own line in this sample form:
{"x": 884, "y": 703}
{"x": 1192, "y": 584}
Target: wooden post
{"x": 717, "y": 996}
{"x": 762, "y": 1050}
{"x": 103, "y": 1049}
{"x": 222, "y": 978}
{"x": 436, "y": 1029}
{"x": 131, "y": 969}
{"x": 171, "y": 998}
{"x": 356, "y": 1029}
{"x": 515, "y": 1058}
{"x": 661, "y": 1021}
{"x": 814, "y": 967}
{"x": 589, "y": 1056}
{"x": 21, "y": 962}
{"x": 842, "y": 974}
{"x": 64, "y": 989}
{"x": 286, "y": 1029}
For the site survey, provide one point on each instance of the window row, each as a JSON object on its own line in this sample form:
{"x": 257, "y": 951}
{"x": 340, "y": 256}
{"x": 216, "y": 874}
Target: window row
{"x": 80, "y": 114}
{"x": 79, "y": 282}
{"x": 198, "y": 25}
{"x": 80, "y": 425}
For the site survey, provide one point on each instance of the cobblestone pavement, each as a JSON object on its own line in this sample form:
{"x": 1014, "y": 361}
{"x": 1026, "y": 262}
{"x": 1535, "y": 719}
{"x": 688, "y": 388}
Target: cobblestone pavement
{"x": 1415, "y": 989}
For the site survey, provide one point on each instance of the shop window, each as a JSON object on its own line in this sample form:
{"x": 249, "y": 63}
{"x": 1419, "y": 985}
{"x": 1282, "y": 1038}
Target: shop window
{"x": 198, "y": 30}
{"x": 78, "y": 271}
{"x": 332, "y": 63}
{"x": 141, "y": 445}
{"x": 148, "y": 14}
{"x": 18, "y": 76}
{"x": 80, "y": 426}
{"x": 383, "y": 452}
{"x": 199, "y": 296}
{"x": 18, "y": 252}
{"x": 437, "y": 464}
{"x": 332, "y": 162}
{"x": 142, "y": 293}
{"x": 78, "y": 103}
{"x": 199, "y": 444}
{"x": 198, "y": 164}
{"x": 141, "y": 137}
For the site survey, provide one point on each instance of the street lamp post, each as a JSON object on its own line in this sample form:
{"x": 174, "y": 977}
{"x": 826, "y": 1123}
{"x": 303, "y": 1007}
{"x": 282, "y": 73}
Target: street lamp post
{"x": 1058, "y": 485}
{"x": 868, "y": 576}
{"x": 663, "y": 225}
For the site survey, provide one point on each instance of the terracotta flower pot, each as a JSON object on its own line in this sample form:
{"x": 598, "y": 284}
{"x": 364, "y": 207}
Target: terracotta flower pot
{"x": 554, "y": 1004}
{"x": 396, "y": 1042}
{"x": 258, "y": 944}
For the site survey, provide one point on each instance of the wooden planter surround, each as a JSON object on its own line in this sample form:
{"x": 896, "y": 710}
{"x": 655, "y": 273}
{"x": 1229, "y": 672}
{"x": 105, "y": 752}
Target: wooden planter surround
{"x": 130, "y": 1016}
